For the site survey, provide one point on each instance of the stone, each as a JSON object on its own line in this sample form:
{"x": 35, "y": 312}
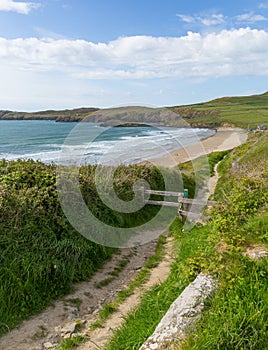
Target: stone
{"x": 96, "y": 311}
{"x": 68, "y": 329}
{"x": 67, "y": 336}
{"x": 48, "y": 345}
{"x": 182, "y": 313}
{"x": 256, "y": 252}
{"x": 57, "y": 329}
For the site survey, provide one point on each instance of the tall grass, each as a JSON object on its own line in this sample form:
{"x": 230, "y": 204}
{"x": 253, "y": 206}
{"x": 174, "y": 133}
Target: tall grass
{"x": 237, "y": 317}
{"x": 41, "y": 255}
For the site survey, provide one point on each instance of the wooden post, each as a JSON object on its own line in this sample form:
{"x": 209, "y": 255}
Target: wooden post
{"x": 185, "y": 195}
{"x": 180, "y": 196}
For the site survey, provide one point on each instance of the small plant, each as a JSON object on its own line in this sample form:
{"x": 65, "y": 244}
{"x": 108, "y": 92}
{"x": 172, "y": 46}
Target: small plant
{"x": 41, "y": 333}
{"x": 104, "y": 282}
{"x": 71, "y": 343}
{"x": 74, "y": 301}
{"x": 120, "y": 266}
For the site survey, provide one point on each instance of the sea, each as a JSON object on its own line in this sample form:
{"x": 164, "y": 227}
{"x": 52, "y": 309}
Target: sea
{"x": 90, "y": 143}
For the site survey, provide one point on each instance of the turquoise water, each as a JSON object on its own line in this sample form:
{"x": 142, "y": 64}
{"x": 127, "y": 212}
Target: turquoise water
{"x": 49, "y": 141}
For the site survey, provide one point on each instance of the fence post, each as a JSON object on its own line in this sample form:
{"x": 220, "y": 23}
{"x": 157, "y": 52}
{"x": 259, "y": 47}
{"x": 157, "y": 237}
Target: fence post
{"x": 185, "y": 195}
{"x": 179, "y": 206}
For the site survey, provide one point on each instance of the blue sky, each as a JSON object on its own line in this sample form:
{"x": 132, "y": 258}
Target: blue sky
{"x": 66, "y": 54}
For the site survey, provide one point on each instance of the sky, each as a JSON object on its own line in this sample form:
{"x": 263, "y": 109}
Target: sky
{"x": 59, "y": 54}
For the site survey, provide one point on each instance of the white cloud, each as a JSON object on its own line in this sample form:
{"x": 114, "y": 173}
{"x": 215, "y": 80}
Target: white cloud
{"x": 19, "y": 7}
{"x": 212, "y": 20}
{"x": 208, "y": 20}
{"x": 185, "y": 18}
{"x": 239, "y": 52}
{"x": 263, "y": 5}
{"x": 250, "y": 17}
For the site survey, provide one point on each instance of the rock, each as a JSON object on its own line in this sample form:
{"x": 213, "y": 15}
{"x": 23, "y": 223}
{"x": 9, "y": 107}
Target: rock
{"x": 68, "y": 329}
{"x": 48, "y": 345}
{"x": 72, "y": 309}
{"x": 57, "y": 329}
{"x": 90, "y": 309}
{"x": 256, "y": 252}
{"x": 72, "y": 317}
{"x": 67, "y": 336}
{"x": 182, "y": 313}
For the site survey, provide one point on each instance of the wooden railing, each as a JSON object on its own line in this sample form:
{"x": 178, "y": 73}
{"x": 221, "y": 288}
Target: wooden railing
{"x": 183, "y": 202}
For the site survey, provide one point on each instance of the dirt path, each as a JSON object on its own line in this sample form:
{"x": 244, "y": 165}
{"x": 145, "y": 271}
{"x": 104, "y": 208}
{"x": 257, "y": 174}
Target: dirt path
{"x": 99, "y": 337}
{"x": 46, "y": 328}
{"x": 212, "y": 182}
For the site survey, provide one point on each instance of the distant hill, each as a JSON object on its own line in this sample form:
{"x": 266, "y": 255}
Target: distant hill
{"x": 244, "y": 111}
{"x": 66, "y": 115}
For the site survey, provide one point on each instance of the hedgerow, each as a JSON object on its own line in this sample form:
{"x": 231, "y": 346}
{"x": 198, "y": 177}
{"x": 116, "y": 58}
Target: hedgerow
{"x": 41, "y": 254}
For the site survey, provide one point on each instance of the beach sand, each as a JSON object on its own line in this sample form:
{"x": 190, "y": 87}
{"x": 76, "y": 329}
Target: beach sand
{"x": 224, "y": 139}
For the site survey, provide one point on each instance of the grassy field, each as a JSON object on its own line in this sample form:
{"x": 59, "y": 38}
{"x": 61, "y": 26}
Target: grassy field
{"x": 245, "y": 112}
{"x": 236, "y": 317}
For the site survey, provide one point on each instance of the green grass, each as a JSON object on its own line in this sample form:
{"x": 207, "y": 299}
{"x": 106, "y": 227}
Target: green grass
{"x": 104, "y": 282}
{"x": 114, "y": 273}
{"x": 71, "y": 343}
{"x": 120, "y": 267}
{"x": 245, "y": 112}
{"x": 41, "y": 254}
{"x": 236, "y": 317}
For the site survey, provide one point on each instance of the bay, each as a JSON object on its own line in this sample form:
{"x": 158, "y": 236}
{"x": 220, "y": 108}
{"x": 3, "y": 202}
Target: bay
{"x": 89, "y": 143}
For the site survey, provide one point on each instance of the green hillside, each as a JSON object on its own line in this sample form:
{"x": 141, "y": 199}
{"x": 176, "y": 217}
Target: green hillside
{"x": 67, "y": 115}
{"x": 236, "y": 316}
{"x": 245, "y": 112}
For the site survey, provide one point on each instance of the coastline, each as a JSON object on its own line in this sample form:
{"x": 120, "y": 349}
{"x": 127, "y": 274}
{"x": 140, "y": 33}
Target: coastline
{"x": 224, "y": 139}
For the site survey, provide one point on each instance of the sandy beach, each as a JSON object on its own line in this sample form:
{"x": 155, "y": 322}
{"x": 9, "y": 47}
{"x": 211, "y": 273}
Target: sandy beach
{"x": 224, "y": 139}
